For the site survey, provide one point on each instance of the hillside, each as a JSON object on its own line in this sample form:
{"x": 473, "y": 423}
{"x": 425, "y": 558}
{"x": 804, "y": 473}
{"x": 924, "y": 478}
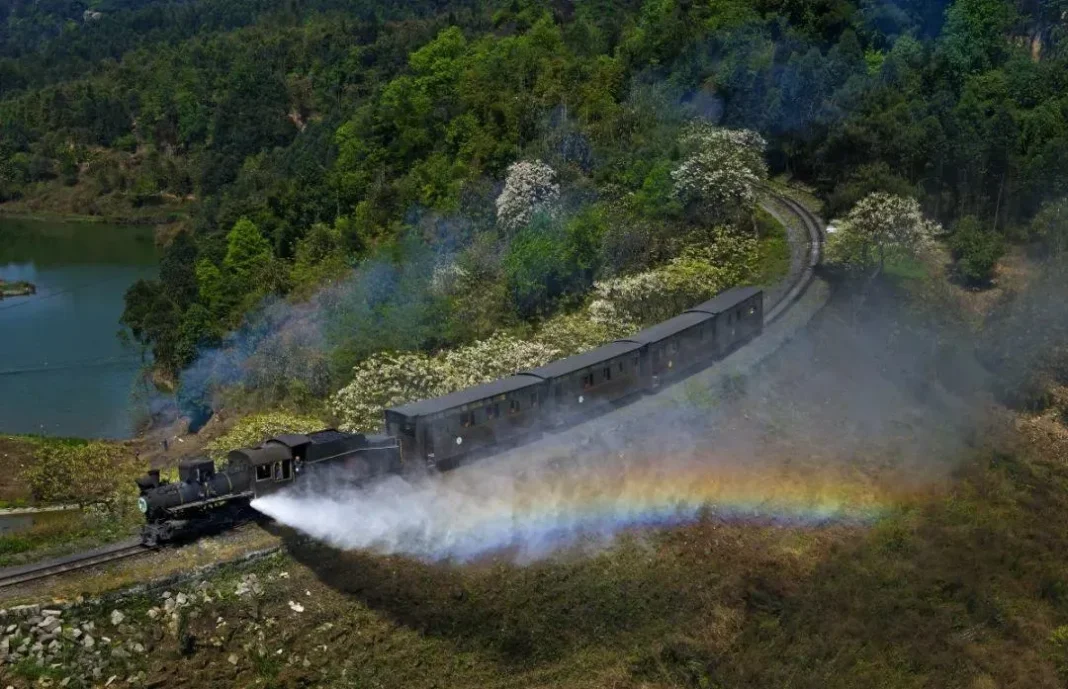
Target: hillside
{"x": 291, "y": 141}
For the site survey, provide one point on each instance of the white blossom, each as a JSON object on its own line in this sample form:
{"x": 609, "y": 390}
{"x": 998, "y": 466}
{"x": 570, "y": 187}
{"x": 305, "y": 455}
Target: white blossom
{"x": 879, "y": 228}
{"x": 698, "y": 274}
{"x": 530, "y": 188}
{"x": 723, "y": 169}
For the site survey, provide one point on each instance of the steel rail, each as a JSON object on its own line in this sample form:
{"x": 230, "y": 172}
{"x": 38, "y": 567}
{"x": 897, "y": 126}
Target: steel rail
{"x": 12, "y": 576}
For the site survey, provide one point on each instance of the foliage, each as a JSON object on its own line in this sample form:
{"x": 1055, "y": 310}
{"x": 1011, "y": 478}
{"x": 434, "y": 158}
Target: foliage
{"x": 250, "y": 431}
{"x": 89, "y": 473}
{"x": 389, "y": 379}
{"x": 878, "y": 229}
{"x": 338, "y": 130}
{"x": 696, "y": 275}
{"x": 976, "y": 250}
{"x": 721, "y": 173}
{"x": 529, "y": 189}
{"x": 1050, "y": 227}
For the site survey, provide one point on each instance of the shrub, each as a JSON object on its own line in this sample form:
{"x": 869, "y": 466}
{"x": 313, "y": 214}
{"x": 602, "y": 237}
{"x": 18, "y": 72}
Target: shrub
{"x": 699, "y": 273}
{"x": 976, "y": 250}
{"x": 94, "y": 472}
{"x": 391, "y": 378}
{"x": 1050, "y": 227}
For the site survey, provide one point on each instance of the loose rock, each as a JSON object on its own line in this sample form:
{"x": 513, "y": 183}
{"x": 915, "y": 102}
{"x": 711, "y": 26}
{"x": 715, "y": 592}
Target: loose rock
{"x": 117, "y": 618}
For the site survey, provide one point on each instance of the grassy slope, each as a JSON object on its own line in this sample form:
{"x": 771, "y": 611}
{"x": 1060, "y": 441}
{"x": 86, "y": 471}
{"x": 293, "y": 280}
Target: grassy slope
{"x": 773, "y": 250}
{"x": 52, "y": 534}
{"x": 963, "y": 589}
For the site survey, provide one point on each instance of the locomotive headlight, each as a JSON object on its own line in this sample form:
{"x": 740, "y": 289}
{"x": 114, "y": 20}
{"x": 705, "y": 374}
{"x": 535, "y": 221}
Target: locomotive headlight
{"x": 142, "y": 505}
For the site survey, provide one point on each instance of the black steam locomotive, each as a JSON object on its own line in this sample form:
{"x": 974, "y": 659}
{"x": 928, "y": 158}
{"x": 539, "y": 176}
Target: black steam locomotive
{"x": 439, "y": 433}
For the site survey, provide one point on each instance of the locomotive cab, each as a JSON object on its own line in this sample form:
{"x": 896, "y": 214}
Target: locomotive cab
{"x": 199, "y": 470}
{"x": 271, "y": 466}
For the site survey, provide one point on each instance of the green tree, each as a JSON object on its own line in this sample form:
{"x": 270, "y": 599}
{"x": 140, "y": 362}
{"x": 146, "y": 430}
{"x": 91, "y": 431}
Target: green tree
{"x": 976, "y": 250}
{"x": 248, "y": 258}
{"x": 1050, "y": 227}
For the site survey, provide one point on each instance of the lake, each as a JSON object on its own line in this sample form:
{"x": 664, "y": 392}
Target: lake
{"x": 63, "y": 369}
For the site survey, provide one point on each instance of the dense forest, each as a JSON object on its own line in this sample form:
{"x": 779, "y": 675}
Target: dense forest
{"x": 296, "y": 140}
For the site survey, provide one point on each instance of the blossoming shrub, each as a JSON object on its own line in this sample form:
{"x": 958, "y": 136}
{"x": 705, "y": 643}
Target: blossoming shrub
{"x": 721, "y": 259}
{"x": 699, "y": 273}
{"x": 391, "y": 378}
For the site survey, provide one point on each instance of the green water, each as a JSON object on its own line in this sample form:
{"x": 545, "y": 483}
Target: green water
{"x": 63, "y": 369}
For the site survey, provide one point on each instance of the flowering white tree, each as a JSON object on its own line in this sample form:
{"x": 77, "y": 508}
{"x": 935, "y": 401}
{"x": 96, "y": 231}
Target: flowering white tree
{"x": 881, "y": 227}
{"x": 722, "y": 170}
{"x": 530, "y": 188}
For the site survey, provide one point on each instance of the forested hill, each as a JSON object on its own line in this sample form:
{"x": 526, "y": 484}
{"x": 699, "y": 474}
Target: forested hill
{"x": 298, "y": 138}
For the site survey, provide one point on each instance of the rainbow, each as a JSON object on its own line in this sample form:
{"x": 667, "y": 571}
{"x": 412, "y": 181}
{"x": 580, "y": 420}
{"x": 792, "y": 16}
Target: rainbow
{"x": 464, "y": 516}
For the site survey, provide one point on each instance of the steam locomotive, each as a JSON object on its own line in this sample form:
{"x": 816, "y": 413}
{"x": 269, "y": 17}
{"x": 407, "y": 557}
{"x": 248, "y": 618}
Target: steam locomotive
{"x": 439, "y": 433}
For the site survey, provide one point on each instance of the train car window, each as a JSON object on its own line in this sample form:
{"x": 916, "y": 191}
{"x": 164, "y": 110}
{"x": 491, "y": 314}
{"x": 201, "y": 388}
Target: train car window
{"x": 730, "y": 318}
{"x": 752, "y": 310}
{"x": 534, "y": 400}
{"x": 467, "y": 419}
{"x": 587, "y": 381}
{"x": 287, "y": 470}
{"x": 513, "y": 407}
{"x": 607, "y": 372}
{"x": 622, "y": 366}
{"x": 263, "y": 472}
{"x": 493, "y": 411}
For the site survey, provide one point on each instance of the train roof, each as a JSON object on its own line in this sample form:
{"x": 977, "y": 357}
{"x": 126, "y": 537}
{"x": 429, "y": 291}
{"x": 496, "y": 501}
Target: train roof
{"x": 669, "y": 328}
{"x": 267, "y": 453}
{"x": 726, "y": 300}
{"x": 467, "y": 396}
{"x": 563, "y": 367}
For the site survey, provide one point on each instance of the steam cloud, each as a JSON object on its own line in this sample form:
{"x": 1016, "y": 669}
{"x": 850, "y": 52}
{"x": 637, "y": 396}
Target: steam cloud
{"x": 841, "y": 426}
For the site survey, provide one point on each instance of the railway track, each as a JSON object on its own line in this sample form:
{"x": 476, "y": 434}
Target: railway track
{"x": 13, "y": 576}
{"x": 813, "y": 228}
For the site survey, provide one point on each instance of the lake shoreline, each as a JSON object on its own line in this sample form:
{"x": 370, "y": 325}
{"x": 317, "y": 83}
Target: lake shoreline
{"x": 147, "y": 220}
{"x": 20, "y": 288}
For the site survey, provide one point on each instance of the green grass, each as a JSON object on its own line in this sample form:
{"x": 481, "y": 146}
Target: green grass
{"x": 54, "y": 534}
{"x": 773, "y": 250}
{"x": 966, "y": 583}
{"x": 906, "y": 269}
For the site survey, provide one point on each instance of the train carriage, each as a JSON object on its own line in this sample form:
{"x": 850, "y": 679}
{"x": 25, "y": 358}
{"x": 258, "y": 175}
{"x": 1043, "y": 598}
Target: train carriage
{"x": 441, "y": 430}
{"x": 585, "y": 383}
{"x": 675, "y": 346}
{"x": 739, "y": 316}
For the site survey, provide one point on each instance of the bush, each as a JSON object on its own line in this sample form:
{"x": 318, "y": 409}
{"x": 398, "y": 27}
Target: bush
{"x": 976, "y": 251}
{"x": 699, "y": 273}
{"x": 95, "y": 472}
{"x": 1050, "y": 227}
{"x": 388, "y": 379}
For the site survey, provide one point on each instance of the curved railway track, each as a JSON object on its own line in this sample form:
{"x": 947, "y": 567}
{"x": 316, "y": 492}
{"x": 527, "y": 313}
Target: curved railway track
{"x": 813, "y": 229}
{"x": 12, "y": 576}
